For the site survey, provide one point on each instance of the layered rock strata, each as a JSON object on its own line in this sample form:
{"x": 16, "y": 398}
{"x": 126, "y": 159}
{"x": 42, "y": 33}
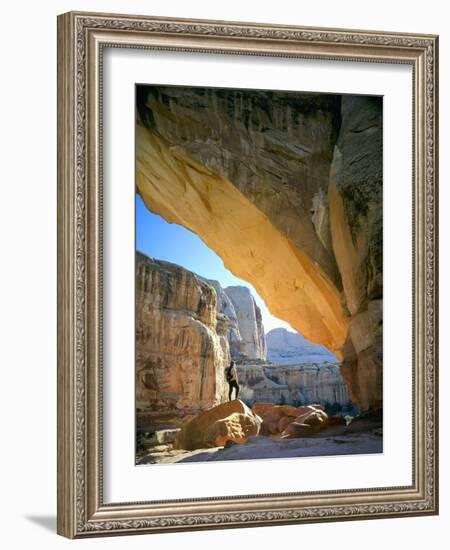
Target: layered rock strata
{"x": 251, "y": 329}
{"x": 181, "y": 343}
{"x": 246, "y": 335}
{"x": 187, "y": 330}
{"x": 293, "y": 384}
{"x": 286, "y": 188}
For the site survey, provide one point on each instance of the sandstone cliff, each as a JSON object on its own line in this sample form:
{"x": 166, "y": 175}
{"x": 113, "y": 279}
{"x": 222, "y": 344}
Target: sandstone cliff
{"x": 181, "y": 343}
{"x": 251, "y": 329}
{"x": 246, "y": 335}
{"x": 286, "y": 188}
{"x": 187, "y": 329}
{"x": 293, "y": 384}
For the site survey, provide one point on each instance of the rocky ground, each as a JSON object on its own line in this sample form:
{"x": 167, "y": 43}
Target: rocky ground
{"x": 265, "y": 431}
{"x": 266, "y": 447}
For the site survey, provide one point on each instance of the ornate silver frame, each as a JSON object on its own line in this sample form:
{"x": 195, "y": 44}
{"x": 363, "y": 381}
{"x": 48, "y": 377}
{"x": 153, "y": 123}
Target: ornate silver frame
{"x": 81, "y": 39}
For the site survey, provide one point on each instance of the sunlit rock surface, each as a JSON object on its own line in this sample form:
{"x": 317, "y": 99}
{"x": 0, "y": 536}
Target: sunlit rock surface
{"x": 186, "y": 327}
{"x": 181, "y": 345}
{"x": 230, "y": 421}
{"x": 251, "y": 329}
{"x": 176, "y": 182}
{"x": 246, "y": 335}
{"x": 293, "y": 384}
{"x": 287, "y": 190}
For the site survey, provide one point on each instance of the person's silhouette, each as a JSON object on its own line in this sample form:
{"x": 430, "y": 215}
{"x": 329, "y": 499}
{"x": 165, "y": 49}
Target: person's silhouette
{"x": 232, "y": 379}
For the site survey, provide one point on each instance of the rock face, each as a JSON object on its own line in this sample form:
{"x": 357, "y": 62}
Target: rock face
{"x": 286, "y": 188}
{"x": 293, "y": 384}
{"x": 285, "y": 347}
{"x": 230, "y": 421}
{"x": 181, "y": 345}
{"x": 225, "y": 307}
{"x": 227, "y": 164}
{"x": 355, "y": 197}
{"x": 246, "y": 335}
{"x": 251, "y": 329}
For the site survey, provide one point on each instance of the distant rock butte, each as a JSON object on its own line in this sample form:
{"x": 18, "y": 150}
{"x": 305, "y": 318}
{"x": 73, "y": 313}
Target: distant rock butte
{"x": 293, "y": 384}
{"x": 253, "y": 340}
{"x": 286, "y": 189}
{"x": 288, "y": 347}
{"x": 246, "y": 335}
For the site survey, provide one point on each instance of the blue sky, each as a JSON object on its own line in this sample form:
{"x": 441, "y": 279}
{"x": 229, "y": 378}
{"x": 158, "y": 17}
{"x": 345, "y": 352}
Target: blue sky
{"x": 173, "y": 243}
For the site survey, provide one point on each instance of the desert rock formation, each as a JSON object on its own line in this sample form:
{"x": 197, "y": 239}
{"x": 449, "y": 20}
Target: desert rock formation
{"x": 246, "y": 335}
{"x": 187, "y": 329}
{"x": 251, "y": 329}
{"x": 290, "y": 421}
{"x": 181, "y": 344}
{"x": 286, "y": 188}
{"x": 292, "y": 384}
{"x": 230, "y": 421}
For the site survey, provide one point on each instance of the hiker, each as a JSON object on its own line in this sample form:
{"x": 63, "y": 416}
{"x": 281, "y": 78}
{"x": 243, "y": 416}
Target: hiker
{"x": 232, "y": 379}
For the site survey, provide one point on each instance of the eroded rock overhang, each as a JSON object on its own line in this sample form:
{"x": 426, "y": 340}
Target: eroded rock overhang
{"x": 287, "y": 191}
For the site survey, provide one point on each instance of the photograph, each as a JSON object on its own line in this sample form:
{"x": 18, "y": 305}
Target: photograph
{"x": 258, "y": 274}
{"x": 247, "y": 273}
{"x": 224, "y": 242}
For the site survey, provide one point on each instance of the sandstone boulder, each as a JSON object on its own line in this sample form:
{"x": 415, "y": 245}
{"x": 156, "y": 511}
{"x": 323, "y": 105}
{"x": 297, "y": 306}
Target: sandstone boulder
{"x": 223, "y": 422}
{"x": 235, "y": 428}
{"x": 336, "y": 421}
{"x": 276, "y": 418}
{"x": 284, "y": 422}
{"x": 261, "y": 408}
{"x": 315, "y": 418}
{"x": 297, "y": 429}
{"x": 160, "y": 437}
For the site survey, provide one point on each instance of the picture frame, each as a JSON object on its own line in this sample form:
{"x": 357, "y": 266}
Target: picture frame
{"x": 82, "y": 41}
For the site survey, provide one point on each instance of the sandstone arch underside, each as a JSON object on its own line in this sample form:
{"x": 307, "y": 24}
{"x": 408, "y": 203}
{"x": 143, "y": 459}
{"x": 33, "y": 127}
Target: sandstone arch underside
{"x": 284, "y": 190}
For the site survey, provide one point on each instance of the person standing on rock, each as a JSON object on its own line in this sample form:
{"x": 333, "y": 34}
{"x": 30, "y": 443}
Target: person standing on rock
{"x": 232, "y": 379}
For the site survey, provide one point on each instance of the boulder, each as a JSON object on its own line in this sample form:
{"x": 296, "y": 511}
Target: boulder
{"x": 297, "y": 429}
{"x": 220, "y": 423}
{"x": 261, "y": 408}
{"x": 284, "y": 422}
{"x": 310, "y": 421}
{"x": 276, "y": 418}
{"x": 235, "y": 428}
{"x": 315, "y": 418}
{"x": 336, "y": 421}
{"x": 160, "y": 437}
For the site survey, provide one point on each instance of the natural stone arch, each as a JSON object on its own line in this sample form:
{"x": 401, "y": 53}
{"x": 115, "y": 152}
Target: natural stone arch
{"x": 185, "y": 192}
{"x": 261, "y": 177}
